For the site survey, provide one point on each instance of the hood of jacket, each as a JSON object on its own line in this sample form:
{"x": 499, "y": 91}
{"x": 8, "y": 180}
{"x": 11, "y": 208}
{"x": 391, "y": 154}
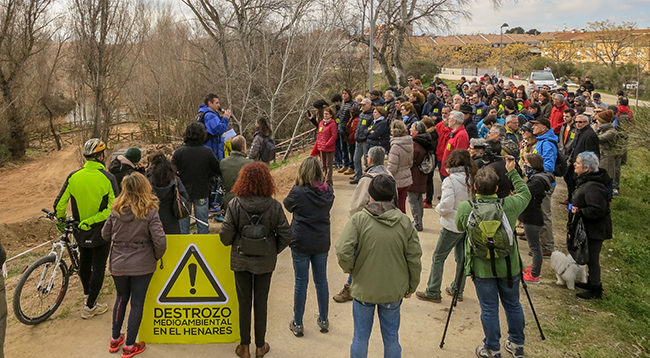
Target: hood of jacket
{"x": 601, "y": 176}
{"x": 120, "y": 162}
{"x": 127, "y": 216}
{"x": 605, "y": 127}
{"x": 549, "y": 135}
{"x": 546, "y": 178}
{"x": 425, "y": 140}
{"x": 379, "y": 169}
{"x": 320, "y": 195}
{"x": 405, "y": 142}
{"x": 162, "y": 192}
{"x": 203, "y": 108}
{"x": 384, "y": 211}
{"x": 255, "y": 204}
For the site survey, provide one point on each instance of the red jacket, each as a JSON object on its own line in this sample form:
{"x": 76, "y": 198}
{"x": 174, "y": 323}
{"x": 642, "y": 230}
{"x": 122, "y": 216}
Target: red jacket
{"x": 443, "y": 137}
{"x": 459, "y": 140}
{"x": 352, "y": 128}
{"x": 327, "y": 132}
{"x": 557, "y": 118}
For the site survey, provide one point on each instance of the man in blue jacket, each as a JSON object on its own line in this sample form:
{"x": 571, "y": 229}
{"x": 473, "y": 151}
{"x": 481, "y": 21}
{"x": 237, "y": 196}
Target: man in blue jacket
{"x": 215, "y": 124}
{"x": 547, "y": 148}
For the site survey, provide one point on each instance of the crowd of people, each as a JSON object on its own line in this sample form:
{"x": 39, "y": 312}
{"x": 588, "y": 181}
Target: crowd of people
{"x": 481, "y": 141}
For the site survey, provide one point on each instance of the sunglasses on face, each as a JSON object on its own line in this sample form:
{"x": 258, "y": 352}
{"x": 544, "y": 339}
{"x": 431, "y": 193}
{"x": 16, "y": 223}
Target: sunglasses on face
{"x": 582, "y": 121}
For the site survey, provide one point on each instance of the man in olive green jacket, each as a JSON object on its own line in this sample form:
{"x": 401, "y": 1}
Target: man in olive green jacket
{"x": 490, "y": 288}
{"x": 380, "y": 248}
{"x": 231, "y": 166}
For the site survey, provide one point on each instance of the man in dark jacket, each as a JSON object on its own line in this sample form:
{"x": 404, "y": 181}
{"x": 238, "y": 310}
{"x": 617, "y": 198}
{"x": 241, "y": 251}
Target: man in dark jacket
{"x": 379, "y": 131}
{"x": 126, "y": 164}
{"x": 586, "y": 140}
{"x": 231, "y": 166}
{"x": 197, "y": 167}
{"x": 343, "y": 116}
{"x": 470, "y": 126}
{"x": 361, "y": 136}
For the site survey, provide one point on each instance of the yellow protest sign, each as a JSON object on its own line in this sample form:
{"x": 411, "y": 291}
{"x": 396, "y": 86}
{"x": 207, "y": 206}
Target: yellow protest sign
{"x": 193, "y": 298}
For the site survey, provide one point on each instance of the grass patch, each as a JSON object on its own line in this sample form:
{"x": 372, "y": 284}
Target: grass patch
{"x": 619, "y": 324}
{"x": 276, "y": 165}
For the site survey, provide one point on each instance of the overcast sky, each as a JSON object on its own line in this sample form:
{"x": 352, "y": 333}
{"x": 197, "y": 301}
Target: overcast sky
{"x": 552, "y": 15}
{"x": 544, "y": 15}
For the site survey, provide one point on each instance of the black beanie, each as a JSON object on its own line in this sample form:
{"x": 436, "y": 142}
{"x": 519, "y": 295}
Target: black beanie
{"x": 382, "y": 188}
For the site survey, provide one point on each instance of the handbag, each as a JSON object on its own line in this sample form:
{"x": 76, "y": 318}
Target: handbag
{"x": 181, "y": 206}
{"x": 577, "y": 241}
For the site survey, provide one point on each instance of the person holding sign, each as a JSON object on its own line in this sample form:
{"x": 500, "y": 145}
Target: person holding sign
{"x": 310, "y": 201}
{"x": 139, "y": 241}
{"x": 257, "y": 229}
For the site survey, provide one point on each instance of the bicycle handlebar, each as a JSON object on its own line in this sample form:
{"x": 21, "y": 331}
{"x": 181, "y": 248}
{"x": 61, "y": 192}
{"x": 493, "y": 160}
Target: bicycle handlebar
{"x": 52, "y": 216}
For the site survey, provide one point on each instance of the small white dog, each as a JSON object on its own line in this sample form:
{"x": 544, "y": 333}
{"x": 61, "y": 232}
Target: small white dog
{"x": 567, "y": 270}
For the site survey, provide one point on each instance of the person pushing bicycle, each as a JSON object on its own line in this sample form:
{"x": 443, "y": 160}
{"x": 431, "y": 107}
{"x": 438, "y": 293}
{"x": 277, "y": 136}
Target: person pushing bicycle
{"x": 91, "y": 191}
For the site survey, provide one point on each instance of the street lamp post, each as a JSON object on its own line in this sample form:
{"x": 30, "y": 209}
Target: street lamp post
{"x": 501, "y": 49}
{"x": 372, "y": 45}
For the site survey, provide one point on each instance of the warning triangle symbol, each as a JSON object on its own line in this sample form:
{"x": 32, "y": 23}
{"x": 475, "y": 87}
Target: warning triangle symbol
{"x": 192, "y": 281}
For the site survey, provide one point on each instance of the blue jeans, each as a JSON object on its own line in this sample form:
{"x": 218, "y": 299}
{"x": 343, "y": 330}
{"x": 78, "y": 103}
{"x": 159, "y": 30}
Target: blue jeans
{"x": 217, "y": 198}
{"x": 201, "y": 213}
{"x": 319, "y": 271}
{"x": 489, "y": 291}
{"x": 360, "y": 151}
{"x": 337, "y": 152}
{"x": 351, "y": 149}
{"x": 342, "y": 146}
{"x": 389, "y": 319}
{"x": 439, "y": 166}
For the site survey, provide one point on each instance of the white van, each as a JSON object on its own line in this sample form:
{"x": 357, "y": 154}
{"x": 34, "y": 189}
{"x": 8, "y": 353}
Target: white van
{"x": 541, "y": 78}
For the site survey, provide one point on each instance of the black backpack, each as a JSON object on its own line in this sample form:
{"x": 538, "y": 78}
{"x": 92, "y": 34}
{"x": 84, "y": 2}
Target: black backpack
{"x": 254, "y": 237}
{"x": 561, "y": 163}
{"x": 268, "y": 149}
{"x": 201, "y": 119}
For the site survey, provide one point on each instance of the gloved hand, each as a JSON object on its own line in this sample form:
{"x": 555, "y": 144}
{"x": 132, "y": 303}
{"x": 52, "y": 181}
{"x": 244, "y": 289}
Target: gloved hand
{"x": 60, "y": 225}
{"x": 85, "y": 225}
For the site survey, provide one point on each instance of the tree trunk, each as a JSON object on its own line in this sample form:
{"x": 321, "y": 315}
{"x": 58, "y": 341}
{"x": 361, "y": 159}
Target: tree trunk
{"x": 55, "y": 134}
{"x": 17, "y": 136}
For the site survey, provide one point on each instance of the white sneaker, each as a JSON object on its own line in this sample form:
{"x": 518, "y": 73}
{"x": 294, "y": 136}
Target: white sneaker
{"x": 100, "y": 308}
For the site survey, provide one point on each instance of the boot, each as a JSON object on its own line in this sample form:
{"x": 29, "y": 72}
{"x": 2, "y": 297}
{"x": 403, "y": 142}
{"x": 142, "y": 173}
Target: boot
{"x": 595, "y": 291}
{"x": 261, "y": 351}
{"x": 243, "y": 351}
{"x": 584, "y": 286}
{"x": 344, "y": 295}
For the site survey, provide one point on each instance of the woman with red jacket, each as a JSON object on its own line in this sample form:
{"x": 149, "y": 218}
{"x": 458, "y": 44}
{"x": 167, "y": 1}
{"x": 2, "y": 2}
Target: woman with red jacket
{"x": 326, "y": 142}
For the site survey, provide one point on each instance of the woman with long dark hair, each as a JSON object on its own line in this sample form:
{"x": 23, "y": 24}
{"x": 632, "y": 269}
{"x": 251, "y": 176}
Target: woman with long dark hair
{"x": 310, "y": 201}
{"x": 162, "y": 176}
{"x": 263, "y": 133}
{"x": 253, "y": 259}
{"x": 456, "y": 188}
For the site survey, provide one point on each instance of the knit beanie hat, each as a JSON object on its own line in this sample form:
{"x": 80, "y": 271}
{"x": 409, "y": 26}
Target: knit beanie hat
{"x": 382, "y": 188}
{"x": 133, "y": 154}
{"x": 605, "y": 116}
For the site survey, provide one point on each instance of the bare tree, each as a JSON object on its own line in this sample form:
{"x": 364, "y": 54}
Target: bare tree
{"x": 395, "y": 22}
{"x": 609, "y": 40}
{"x": 23, "y": 29}
{"x": 108, "y": 35}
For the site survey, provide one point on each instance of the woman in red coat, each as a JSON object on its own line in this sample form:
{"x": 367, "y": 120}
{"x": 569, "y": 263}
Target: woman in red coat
{"x": 326, "y": 142}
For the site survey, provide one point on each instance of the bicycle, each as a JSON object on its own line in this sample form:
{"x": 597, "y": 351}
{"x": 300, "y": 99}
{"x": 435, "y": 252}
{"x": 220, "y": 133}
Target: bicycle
{"x": 44, "y": 283}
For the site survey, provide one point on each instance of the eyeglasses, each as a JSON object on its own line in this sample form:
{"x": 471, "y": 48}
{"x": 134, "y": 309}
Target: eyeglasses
{"x": 582, "y": 121}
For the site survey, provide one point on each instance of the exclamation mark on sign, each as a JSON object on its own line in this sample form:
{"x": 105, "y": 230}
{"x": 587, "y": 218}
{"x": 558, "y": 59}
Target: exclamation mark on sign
{"x": 192, "y": 268}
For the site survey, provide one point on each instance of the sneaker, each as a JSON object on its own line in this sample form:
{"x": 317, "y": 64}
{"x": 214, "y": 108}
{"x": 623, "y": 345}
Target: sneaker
{"x": 423, "y": 297}
{"x": 323, "y": 325}
{"x": 482, "y": 352}
{"x": 418, "y": 227}
{"x": 214, "y": 210}
{"x": 615, "y": 192}
{"x": 261, "y": 351}
{"x": 350, "y": 171}
{"x": 343, "y": 170}
{"x": 354, "y": 181}
{"x": 529, "y": 278}
{"x": 297, "y": 329}
{"x": 527, "y": 269}
{"x": 100, "y": 308}
{"x": 517, "y": 351}
{"x": 427, "y": 206}
{"x": 136, "y": 348}
{"x": 116, "y": 344}
{"x": 449, "y": 292}
{"x": 344, "y": 295}
{"x": 218, "y": 219}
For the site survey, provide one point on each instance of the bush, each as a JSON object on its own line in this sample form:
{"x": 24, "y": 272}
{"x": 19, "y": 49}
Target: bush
{"x": 5, "y": 154}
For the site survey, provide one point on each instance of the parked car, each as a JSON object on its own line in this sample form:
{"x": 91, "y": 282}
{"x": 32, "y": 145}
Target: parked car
{"x": 541, "y": 78}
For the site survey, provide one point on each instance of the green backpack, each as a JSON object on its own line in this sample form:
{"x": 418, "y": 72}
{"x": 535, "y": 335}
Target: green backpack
{"x": 490, "y": 235}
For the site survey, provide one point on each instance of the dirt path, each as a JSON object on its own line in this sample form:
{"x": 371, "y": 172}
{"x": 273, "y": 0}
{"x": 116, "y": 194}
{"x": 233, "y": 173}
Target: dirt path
{"x": 67, "y": 335}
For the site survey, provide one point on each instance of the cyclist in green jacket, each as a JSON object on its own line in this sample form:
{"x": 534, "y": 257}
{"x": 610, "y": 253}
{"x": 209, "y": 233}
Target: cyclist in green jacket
{"x": 91, "y": 191}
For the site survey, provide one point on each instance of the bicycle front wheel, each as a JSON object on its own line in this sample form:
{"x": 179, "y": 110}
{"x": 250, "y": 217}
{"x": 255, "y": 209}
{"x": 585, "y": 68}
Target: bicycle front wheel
{"x": 40, "y": 290}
